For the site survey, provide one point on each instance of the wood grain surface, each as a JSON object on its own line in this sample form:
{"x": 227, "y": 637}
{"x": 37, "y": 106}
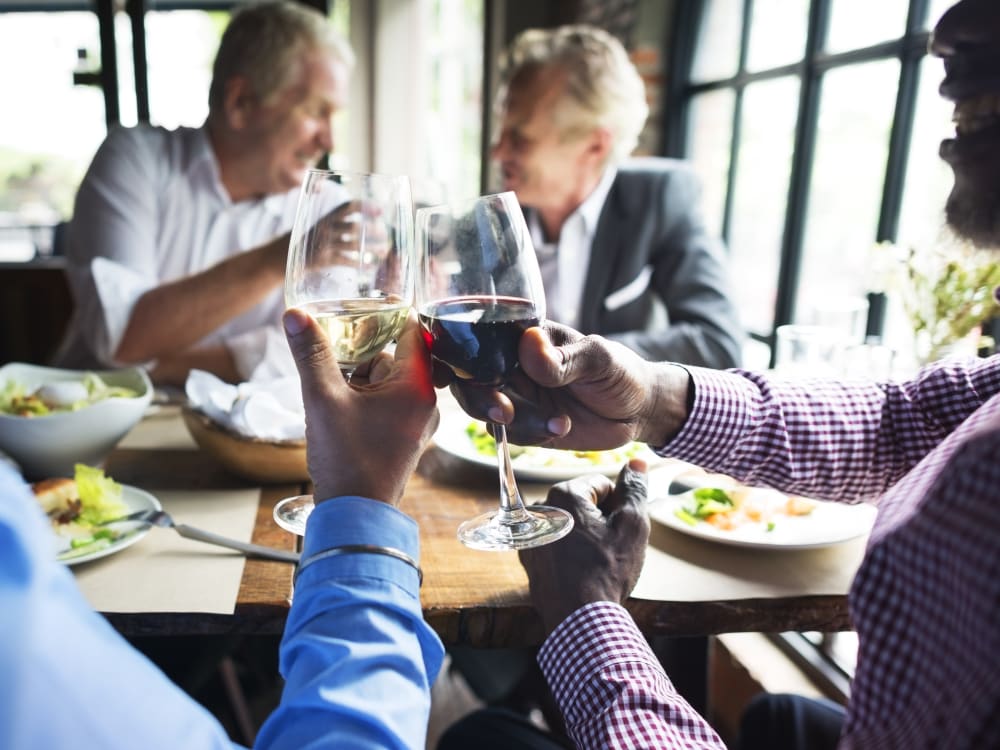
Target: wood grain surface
{"x": 476, "y": 598}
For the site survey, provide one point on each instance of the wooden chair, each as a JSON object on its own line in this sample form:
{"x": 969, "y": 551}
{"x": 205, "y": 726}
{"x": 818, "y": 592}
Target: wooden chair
{"x": 35, "y": 309}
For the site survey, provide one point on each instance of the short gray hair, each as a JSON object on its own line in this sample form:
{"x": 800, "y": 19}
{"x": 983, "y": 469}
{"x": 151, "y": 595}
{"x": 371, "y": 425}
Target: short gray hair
{"x": 266, "y": 42}
{"x": 603, "y": 87}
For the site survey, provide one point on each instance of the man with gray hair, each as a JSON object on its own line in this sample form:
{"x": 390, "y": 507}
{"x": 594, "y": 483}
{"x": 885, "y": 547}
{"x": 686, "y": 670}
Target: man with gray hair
{"x": 176, "y": 250}
{"x": 623, "y": 250}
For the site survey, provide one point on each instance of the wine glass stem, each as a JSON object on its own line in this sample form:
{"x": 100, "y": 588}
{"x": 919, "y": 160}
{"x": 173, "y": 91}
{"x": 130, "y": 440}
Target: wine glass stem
{"x": 511, "y": 505}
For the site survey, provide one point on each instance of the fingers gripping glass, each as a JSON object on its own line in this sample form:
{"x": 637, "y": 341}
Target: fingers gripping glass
{"x": 478, "y": 290}
{"x": 350, "y": 267}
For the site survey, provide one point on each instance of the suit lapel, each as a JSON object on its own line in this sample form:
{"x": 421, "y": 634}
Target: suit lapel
{"x": 612, "y": 225}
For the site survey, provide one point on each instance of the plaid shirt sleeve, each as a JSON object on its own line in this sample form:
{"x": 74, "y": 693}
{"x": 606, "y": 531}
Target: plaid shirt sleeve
{"x": 843, "y": 440}
{"x": 611, "y": 689}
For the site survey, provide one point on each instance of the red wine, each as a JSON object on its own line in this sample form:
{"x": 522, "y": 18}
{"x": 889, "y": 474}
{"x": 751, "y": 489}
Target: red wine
{"x": 477, "y": 337}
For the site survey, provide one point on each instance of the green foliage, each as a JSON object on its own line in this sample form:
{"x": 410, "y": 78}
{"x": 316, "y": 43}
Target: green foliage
{"x": 947, "y": 292}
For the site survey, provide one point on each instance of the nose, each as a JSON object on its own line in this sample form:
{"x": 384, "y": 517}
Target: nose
{"x": 325, "y": 134}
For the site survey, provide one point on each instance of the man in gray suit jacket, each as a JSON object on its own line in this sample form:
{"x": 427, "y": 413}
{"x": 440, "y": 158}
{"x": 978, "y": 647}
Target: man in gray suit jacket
{"x": 622, "y": 246}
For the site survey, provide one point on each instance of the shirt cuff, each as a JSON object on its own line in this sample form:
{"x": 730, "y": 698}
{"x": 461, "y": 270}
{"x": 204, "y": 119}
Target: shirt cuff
{"x": 593, "y": 637}
{"x": 721, "y": 413}
{"x": 355, "y": 520}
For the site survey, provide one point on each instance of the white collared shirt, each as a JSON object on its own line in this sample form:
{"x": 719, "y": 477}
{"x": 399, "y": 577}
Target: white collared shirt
{"x": 564, "y": 263}
{"x": 151, "y": 210}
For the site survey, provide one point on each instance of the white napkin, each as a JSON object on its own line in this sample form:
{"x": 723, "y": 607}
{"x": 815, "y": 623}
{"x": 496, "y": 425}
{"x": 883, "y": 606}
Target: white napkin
{"x": 270, "y": 409}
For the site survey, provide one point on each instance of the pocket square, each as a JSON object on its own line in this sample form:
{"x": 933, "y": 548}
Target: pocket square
{"x": 630, "y": 291}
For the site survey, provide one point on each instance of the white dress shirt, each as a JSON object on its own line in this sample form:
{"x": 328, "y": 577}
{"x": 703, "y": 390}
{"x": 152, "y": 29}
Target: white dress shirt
{"x": 564, "y": 263}
{"x": 152, "y": 209}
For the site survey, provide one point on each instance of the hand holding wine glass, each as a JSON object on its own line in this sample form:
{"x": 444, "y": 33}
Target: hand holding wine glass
{"x": 350, "y": 267}
{"x": 478, "y": 290}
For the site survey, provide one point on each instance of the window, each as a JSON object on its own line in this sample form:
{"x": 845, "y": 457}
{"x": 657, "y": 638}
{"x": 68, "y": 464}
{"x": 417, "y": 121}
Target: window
{"x": 813, "y": 125}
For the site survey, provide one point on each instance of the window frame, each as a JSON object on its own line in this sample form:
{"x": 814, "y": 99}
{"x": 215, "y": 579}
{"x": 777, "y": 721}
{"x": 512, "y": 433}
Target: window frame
{"x": 909, "y": 49}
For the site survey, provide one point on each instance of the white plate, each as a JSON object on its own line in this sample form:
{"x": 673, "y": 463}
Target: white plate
{"x": 542, "y": 465}
{"x": 829, "y": 523}
{"x": 135, "y": 500}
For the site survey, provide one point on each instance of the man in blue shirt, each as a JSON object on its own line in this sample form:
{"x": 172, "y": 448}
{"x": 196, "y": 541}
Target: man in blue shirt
{"x": 355, "y": 633}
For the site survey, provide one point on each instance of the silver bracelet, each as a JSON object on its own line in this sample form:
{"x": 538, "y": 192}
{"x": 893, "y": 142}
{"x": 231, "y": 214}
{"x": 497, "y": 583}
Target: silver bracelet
{"x": 355, "y": 549}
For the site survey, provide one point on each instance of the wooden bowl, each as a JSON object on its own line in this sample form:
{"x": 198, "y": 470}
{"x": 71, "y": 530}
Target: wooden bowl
{"x": 265, "y": 461}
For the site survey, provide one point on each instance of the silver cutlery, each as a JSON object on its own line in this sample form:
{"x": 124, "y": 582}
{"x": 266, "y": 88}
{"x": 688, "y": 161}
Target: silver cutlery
{"x": 163, "y": 519}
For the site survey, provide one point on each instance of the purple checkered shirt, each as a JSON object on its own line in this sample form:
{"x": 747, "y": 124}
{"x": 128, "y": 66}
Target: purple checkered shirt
{"x": 926, "y": 600}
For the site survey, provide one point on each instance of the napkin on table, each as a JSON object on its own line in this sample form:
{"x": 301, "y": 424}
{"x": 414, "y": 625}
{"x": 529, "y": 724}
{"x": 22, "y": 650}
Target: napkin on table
{"x": 269, "y": 409}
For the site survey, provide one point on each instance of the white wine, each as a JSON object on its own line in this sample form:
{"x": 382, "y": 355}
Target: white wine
{"x": 358, "y": 329}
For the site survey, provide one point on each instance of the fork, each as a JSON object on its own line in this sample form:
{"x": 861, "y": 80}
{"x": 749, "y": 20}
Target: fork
{"x": 163, "y": 519}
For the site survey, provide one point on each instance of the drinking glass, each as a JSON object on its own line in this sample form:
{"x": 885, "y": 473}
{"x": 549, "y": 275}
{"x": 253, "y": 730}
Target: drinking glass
{"x": 478, "y": 290}
{"x": 350, "y": 267}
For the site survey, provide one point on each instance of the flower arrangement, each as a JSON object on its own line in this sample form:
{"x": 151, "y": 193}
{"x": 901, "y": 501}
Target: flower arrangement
{"x": 947, "y": 292}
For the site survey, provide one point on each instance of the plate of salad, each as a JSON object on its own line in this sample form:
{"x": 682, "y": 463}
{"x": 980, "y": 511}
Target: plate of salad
{"x": 759, "y": 517}
{"x": 468, "y": 439}
{"x": 82, "y": 513}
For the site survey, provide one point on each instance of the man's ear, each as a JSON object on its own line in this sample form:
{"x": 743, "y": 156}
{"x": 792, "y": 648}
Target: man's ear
{"x": 599, "y": 146}
{"x": 239, "y": 102}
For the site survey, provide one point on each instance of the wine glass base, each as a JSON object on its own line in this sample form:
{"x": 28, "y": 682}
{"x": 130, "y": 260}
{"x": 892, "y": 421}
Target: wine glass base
{"x": 292, "y": 513}
{"x": 540, "y": 525}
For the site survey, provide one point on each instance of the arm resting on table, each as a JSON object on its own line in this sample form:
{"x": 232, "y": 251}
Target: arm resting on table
{"x": 357, "y": 657}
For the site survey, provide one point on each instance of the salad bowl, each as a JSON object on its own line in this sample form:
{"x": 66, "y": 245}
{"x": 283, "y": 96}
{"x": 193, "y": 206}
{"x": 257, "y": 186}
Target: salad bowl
{"x": 51, "y": 418}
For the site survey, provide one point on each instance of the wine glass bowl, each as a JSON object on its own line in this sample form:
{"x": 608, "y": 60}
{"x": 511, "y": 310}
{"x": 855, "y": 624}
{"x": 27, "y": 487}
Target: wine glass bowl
{"x": 350, "y": 266}
{"x": 478, "y": 289}
{"x": 349, "y": 260}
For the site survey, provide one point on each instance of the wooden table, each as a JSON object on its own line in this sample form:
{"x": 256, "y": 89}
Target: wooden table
{"x": 688, "y": 587}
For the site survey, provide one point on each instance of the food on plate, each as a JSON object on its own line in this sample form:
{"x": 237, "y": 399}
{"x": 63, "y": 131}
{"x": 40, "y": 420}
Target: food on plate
{"x": 735, "y": 507}
{"x": 536, "y": 456}
{"x": 18, "y": 400}
{"x": 77, "y": 507}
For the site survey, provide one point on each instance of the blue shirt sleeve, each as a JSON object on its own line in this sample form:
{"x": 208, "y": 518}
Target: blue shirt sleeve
{"x": 67, "y": 678}
{"x": 357, "y": 657}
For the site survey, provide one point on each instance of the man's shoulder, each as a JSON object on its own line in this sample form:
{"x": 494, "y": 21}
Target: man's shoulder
{"x": 170, "y": 146}
{"x": 651, "y": 168}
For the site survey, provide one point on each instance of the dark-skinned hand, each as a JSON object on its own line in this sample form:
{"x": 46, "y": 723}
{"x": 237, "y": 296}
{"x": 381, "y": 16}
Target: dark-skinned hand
{"x": 601, "y": 558}
{"x": 363, "y": 438}
{"x": 580, "y": 392}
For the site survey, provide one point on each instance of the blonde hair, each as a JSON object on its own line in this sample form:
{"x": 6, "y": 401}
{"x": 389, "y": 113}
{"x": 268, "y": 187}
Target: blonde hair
{"x": 603, "y": 88}
{"x": 266, "y": 42}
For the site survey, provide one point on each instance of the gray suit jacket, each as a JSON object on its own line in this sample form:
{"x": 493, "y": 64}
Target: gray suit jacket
{"x": 657, "y": 280}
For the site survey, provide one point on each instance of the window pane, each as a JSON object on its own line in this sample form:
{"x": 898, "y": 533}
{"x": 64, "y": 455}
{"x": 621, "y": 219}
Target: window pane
{"x": 937, "y": 9}
{"x": 711, "y": 133}
{"x": 856, "y": 111}
{"x": 928, "y": 178}
{"x": 760, "y": 195}
{"x": 862, "y": 23}
{"x": 777, "y": 33}
{"x": 178, "y": 84}
{"x": 453, "y": 116}
{"x": 45, "y": 149}
{"x": 717, "y": 52}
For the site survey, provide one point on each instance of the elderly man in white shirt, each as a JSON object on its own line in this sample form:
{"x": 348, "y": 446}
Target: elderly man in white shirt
{"x": 176, "y": 250}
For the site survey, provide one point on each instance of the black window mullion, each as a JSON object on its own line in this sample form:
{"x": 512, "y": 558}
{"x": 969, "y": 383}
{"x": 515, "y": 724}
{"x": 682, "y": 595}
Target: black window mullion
{"x": 136, "y": 10}
{"x": 109, "y": 61}
{"x": 736, "y": 132}
{"x": 902, "y": 125}
{"x": 686, "y": 22}
{"x": 802, "y": 158}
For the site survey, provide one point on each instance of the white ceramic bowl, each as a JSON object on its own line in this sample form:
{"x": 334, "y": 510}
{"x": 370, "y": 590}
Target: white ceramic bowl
{"x": 48, "y": 446}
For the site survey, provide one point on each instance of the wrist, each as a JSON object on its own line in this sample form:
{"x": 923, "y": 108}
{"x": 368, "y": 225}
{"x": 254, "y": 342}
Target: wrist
{"x": 668, "y": 403}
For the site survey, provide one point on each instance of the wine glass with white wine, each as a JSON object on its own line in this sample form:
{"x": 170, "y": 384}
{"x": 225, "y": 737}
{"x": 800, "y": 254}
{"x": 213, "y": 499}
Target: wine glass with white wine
{"x": 350, "y": 267}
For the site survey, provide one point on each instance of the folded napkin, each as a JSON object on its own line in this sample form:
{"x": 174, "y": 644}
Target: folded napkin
{"x": 270, "y": 409}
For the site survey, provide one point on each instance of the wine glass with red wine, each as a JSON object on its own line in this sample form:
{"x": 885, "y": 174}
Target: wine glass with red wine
{"x": 478, "y": 289}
